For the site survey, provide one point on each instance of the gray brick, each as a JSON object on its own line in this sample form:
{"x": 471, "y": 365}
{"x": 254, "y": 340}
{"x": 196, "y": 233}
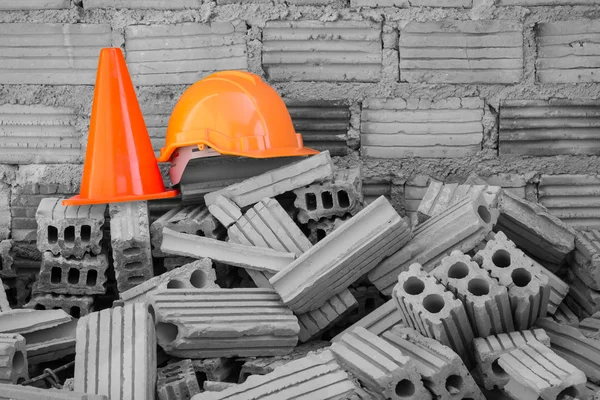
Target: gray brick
{"x": 34, "y": 4}
{"x": 323, "y": 227}
{"x": 530, "y": 3}
{"x": 76, "y": 306}
{"x": 69, "y": 230}
{"x": 585, "y": 259}
{"x": 333, "y": 310}
{"x": 130, "y": 240}
{"x": 71, "y": 276}
{"x": 590, "y": 327}
{"x": 4, "y": 305}
{"x": 5, "y": 212}
{"x": 13, "y": 359}
{"x": 6, "y": 259}
{"x": 177, "y": 381}
{"x": 587, "y": 300}
{"x": 379, "y": 321}
{"x": 225, "y": 211}
{"x": 170, "y": 263}
{"x": 143, "y": 4}
{"x": 18, "y": 392}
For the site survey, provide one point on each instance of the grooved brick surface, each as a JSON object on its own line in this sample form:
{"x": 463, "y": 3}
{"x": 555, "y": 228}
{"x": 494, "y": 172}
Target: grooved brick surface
{"x": 74, "y": 49}
{"x": 379, "y": 321}
{"x": 38, "y": 134}
{"x": 143, "y": 4}
{"x": 348, "y": 51}
{"x": 572, "y": 198}
{"x": 373, "y": 189}
{"x": 529, "y": 3}
{"x": 581, "y": 298}
{"x": 183, "y": 53}
{"x": 585, "y": 260}
{"x": 18, "y": 392}
{"x": 116, "y": 353}
{"x": 336, "y": 308}
{"x": 421, "y": 127}
{"x": 590, "y": 327}
{"x": 34, "y": 4}
{"x": 177, "y": 381}
{"x": 461, "y": 52}
{"x": 411, "y": 3}
{"x": 13, "y": 358}
{"x": 63, "y": 275}
{"x": 566, "y": 51}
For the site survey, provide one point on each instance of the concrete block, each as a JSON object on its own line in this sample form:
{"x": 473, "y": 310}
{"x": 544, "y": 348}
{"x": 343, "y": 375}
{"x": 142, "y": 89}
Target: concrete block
{"x": 443, "y": 372}
{"x": 259, "y": 259}
{"x": 440, "y": 196}
{"x": 531, "y": 227}
{"x": 569, "y": 343}
{"x": 324, "y": 124}
{"x": 195, "y": 220}
{"x": 537, "y": 372}
{"x": 381, "y": 320}
{"x": 217, "y": 369}
{"x": 317, "y": 374}
{"x": 443, "y": 52}
{"x": 342, "y": 257}
{"x": 316, "y": 168}
{"x": 341, "y": 196}
{"x": 130, "y": 240}
{"x": 198, "y": 274}
{"x": 378, "y": 365}
{"x": 13, "y": 359}
{"x": 585, "y": 259}
{"x": 559, "y": 62}
{"x": 333, "y": 310}
{"x": 177, "y": 381}
{"x": 489, "y": 349}
{"x": 143, "y": 4}
{"x": 63, "y": 275}
{"x": 337, "y": 51}
{"x": 572, "y": 198}
{"x": 427, "y": 307}
{"x": 39, "y": 134}
{"x": 35, "y": 5}
{"x": 548, "y": 127}
{"x": 4, "y": 304}
{"x": 6, "y": 259}
{"x": 460, "y": 227}
{"x": 486, "y": 302}
{"x": 18, "y": 392}
{"x": 203, "y": 323}
{"x": 590, "y": 327}
{"x": 74, "y": 52}
{"x": 528, "y": 289}
{"x": 75, "y": 306}
{"x": 390, "y": 129}
{"x": 116, "y": 353}
{"x": 225, "y": 211}
{"x": 323, "y": 227}
{"x": 69, "y": 231}
{"x": 164, "y": 55}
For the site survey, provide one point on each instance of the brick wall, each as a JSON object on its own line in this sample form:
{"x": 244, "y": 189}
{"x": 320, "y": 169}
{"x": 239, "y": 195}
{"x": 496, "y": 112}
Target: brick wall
{"x": 411, "y": 90}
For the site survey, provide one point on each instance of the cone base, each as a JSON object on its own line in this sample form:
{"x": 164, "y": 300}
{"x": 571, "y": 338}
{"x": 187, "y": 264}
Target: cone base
{"x": 79, "y": 201}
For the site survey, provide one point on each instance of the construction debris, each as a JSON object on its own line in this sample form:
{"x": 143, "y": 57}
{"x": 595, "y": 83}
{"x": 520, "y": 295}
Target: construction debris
{"x": 13, "y": 359}
{"x": 18, "y": 392}
{"x": 177, "y": 381}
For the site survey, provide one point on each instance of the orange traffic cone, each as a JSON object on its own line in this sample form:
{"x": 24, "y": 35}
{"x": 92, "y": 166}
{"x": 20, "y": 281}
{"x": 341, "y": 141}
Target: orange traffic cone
{"x": 119, "y": 161}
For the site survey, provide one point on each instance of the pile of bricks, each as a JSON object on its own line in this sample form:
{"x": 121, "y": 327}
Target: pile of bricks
{"x": 248, "y": 295}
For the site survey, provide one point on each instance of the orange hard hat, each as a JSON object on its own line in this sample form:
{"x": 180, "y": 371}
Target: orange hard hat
{"x": 235, "y": 113}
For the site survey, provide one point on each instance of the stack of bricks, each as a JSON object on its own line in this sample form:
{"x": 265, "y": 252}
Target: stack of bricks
{"x": 74, "y": 262}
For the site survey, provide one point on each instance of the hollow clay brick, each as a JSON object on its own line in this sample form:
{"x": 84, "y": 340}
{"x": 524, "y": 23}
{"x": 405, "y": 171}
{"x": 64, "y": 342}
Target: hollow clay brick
{"x": 587, "y": 300}
{"x": 62, "y": 275}
{"x": 528, "y": 289}
{"x": 130, "y": 240}
{"x": 460, "y": 227}
{"x": 18, "y": 392}
{"x": 4, "y": 304}
{"x": 378, "y": 365}
{"x": 537, "y": 372}
{"x": 204, "y": 323}
{"x": 564, "y": 315}
{"x": 333, "y": 310}
{"x": 331, "y": 51}
{"x": 533, "y": 229}
{"x": 317, "y": 374}
{"x": 319, "y": 229}
{"x": 316, "y": 168}
{"x": 217, "y": 369}
{"x": 342, "y": 258}
{"x": 6, "y": 259}
{"x": 195, "y": 220}
{"x": 69, "y": 231}
{"x": 198, "y": 274}
{"x": 116, "y": 353}
{"x": 381, "y": 320}
{"x": 444, "y": 373}
{"x": 177, "y": 381}
{"x": 585, "y": 259}
{"x": 76, "y": 306}
{"x": 250, "y": 257}
{"x": 341, "y": 196}
{"x": 225, "y": 211}
{"x": 489, "y": 349}
{"x": 590, "y": 327}
{"x": 486, "y": 302}
{"x": 427, "y": 307}
{"x": 13, "y": 358}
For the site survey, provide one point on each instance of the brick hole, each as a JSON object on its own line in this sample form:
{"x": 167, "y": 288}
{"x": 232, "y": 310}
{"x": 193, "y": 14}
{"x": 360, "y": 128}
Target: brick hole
{"x": 327, "y": 200}
{"x": 498, "y": 370}
{"x": 70, "y": 235}
{"x": 136, "y": 279}
{"x": 414, "y": 286}
{"x": 478, "y": 287}
{"x": 166, "y": 332}
{"x": 454, "y": 384}
{"x": 484, "y": 214}
{"x": 18, "y": 362}
{"x": 311, "y": 201}
{"x": 92, "y": 277}
{"x": 244, "y": 376}
{"x": 55, "y": 275}
{"x": 175, "y": 284}
{"x": 343, "y": 199}
{"x": 39, "y": 307}
{"x": 458, "y": 270}
{"x": 56, "y": 308}
{"x": 52, "y": 234}
{"x": 434, "y": 303}
{"x": 369, "y": 304}
{"x": 75, "y": 312}
{"x": 405, "y": 388}
{"x": 521, "y": 277}
{"x": 132, "y": 251}
{"x": 501, "y": 258}
{"x": 201, "y": 378}
{"x": 73, "y": 276}
{"x": 86, "y": 233}
{"x": 198, "y": 279}
{"x": 133, "y": 265}
{"x": 320, "y": 234}
{"x": 568, "y": 393}
{"x": 200, "y": 232}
